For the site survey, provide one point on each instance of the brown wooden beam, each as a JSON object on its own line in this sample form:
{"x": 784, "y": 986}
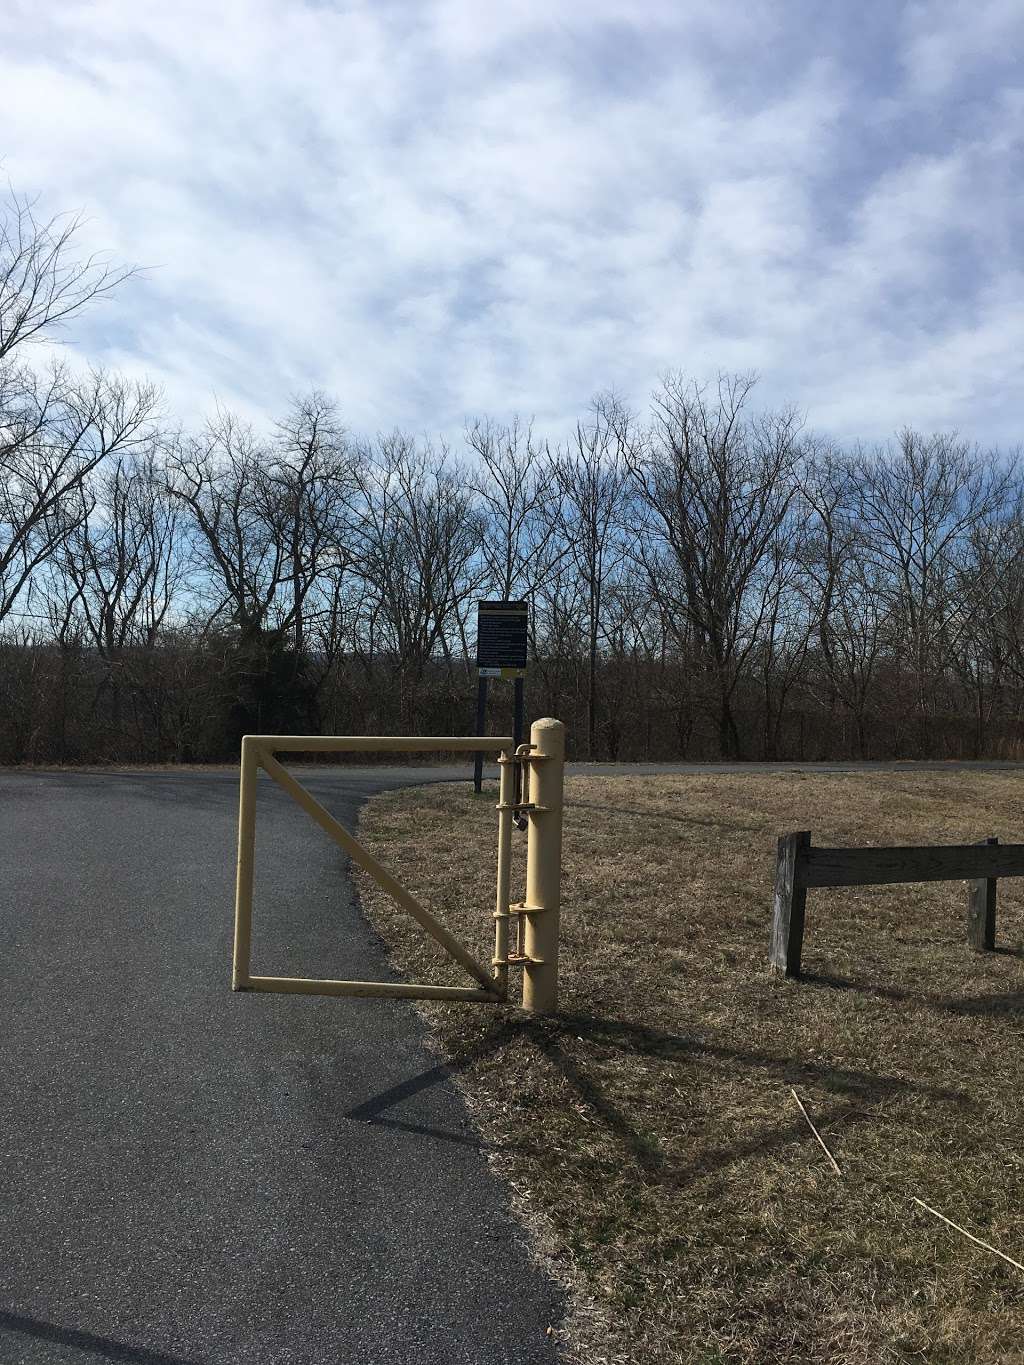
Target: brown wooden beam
{"x": 884, "y": 866}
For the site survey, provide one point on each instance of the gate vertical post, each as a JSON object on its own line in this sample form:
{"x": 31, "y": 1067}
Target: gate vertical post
{"x": 543, "y": 866}
{"x": 244, "y": 878}
{"x": 506, "y": 800}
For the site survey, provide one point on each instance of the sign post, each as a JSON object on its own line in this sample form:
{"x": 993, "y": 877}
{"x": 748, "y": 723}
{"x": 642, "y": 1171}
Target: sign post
{"x": 501, "y": 645}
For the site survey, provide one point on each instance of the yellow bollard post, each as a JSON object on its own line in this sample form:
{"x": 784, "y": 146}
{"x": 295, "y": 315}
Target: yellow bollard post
{"x": 543, "y": 866}
{"x": 244, "y": 876}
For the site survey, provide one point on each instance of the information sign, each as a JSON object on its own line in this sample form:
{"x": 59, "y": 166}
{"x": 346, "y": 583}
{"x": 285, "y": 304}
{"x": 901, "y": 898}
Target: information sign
{"x": 501, "y": 639}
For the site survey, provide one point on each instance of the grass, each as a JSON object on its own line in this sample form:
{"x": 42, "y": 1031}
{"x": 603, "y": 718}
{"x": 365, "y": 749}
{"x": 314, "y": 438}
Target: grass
{"x": 648, "y": 1132}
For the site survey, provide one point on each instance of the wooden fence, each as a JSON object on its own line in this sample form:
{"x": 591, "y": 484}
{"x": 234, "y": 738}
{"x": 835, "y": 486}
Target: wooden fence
{"x": 801, "y": 866}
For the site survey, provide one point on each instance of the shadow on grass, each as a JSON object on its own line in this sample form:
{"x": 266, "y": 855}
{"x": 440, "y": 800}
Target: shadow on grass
{"x": 862, "y": 1086}
{"x": 102, "y": 1347}
{"x": 611, "y": 808}
{"x": 1009, "y": 1002}
{"x": 652, "y": 1042}
{"x": 666, "y": 1168}
{"x": 551, "y": 1036}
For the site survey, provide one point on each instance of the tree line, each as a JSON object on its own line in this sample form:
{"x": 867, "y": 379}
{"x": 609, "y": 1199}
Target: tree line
{"x": 707, "y": 579}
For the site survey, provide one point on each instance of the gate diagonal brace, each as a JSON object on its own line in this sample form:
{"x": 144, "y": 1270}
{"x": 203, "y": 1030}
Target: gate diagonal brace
{"x": 256, "y": 752}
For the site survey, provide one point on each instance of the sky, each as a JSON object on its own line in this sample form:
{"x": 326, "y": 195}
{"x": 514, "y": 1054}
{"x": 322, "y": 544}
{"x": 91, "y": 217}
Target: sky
{"x": 436, "y": 209}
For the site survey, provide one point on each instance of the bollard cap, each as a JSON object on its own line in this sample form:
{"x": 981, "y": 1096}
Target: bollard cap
{"x": 548, "y": 735}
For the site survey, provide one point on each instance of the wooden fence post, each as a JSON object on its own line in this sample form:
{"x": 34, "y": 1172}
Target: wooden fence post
{"x": 981, "y": 911}
{"x": 788, "y": 904}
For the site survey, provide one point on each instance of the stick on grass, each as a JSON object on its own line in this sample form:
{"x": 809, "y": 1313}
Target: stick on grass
{"x": 821, "y": 1140}
{"x": 969, "y": 1235}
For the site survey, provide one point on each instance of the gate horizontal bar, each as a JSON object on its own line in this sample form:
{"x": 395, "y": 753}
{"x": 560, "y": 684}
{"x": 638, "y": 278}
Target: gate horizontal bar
{"x": 301, "y": 985}
{"x": 336, "y": 744}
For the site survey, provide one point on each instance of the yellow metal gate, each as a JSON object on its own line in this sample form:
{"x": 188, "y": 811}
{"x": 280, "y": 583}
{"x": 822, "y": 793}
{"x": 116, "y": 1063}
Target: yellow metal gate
{"x": 536, "y": 950}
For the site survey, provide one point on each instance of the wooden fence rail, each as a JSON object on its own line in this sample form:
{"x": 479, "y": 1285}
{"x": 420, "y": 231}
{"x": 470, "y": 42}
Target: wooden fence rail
{"x": 801, "y": 866}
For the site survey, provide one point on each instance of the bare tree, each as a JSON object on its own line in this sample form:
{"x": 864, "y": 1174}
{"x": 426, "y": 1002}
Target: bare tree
{"x": 53, "y": 434}
{"x": 216, "y": 477}
{"x": 840, "y": 587}
{"x": 718, "y": 485}
{"x": 117, "y": 572}
{"x": 268, "y": 523}
{"x": 592, "y": 479}
{"x": 518, "y": 490}
{"x": 416, "y": 532}
{"x": 120, "y": 559}
{"x": 268, "y": 517}
{"x": 987, "y": 649}
{"x": 54, "y": 428}
{"x": 45, "y": 280}
{"x": 305, "y": 489}
{"x": 786, "y": 630}
{"x": 916, "y": 507}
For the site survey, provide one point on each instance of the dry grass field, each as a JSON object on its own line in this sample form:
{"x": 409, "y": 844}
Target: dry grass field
{"x": 649, "y": 1133}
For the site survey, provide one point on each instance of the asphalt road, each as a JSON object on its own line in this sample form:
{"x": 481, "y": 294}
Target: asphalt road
{"x": 188, "y": 1175}
{"x": 192, "y": 1177}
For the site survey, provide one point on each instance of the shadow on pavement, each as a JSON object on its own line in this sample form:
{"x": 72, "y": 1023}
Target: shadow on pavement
{"x": 103, "y": 1347}
{"x": 374, "y": 1109}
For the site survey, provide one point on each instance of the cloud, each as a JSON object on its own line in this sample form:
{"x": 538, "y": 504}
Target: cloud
{"x": 434, "y": 210}
{"x": 950, "y": 44}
